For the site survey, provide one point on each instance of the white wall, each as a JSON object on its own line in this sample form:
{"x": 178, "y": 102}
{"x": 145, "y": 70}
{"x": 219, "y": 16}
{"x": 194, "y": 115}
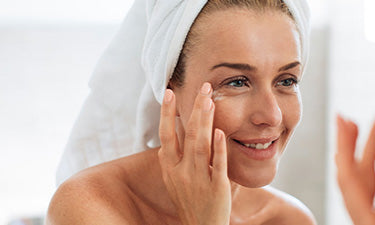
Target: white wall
{"x": 351, "y": 87}
{"x": 43, "y": 82}
{"x": 48, "y": 50}
{"x": 67, "y": 11}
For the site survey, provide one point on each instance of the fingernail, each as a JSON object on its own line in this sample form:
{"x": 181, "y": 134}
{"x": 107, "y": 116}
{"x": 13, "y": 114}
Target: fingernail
{"x": 167, "y": 96}
{"x": 207, "y": 105}
{"x": 206, "y": 88}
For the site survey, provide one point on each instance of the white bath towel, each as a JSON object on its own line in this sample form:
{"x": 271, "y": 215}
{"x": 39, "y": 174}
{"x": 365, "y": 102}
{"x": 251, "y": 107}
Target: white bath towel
{"x": 121, "y": 115}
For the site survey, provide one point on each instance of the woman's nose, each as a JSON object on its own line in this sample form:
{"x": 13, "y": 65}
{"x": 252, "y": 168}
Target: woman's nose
{"x": 265, "y": 109}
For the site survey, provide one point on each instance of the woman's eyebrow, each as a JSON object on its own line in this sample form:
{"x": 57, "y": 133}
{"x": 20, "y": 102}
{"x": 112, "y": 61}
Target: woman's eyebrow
{"x": 244, "y": 66}
{"x": 238, "y": 66}
{"x": 289, "y": 66}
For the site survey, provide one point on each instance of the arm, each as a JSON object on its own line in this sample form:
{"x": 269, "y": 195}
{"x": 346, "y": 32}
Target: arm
{"x": 356, "y": 178}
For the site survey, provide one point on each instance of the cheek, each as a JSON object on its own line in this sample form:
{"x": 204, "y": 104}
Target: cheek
{"x": 291, "y": 108}
{"x": 230, "y": 113}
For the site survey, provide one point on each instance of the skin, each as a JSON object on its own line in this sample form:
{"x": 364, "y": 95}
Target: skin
{"x": 199, "y": 174}
{"x": 263, "y": 109}
{"x": 356, "y": 177}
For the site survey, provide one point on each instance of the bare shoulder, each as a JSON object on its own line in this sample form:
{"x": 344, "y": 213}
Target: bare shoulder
{"x": 269, "y": 206}
{"x": 289, "y": 210}
{"x": 96, "y": 195}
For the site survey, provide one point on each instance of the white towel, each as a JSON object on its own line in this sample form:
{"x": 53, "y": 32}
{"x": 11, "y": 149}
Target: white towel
{"x": 121, "y": 115}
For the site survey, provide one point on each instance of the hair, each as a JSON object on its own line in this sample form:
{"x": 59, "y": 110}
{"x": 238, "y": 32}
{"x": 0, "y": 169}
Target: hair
{"x": 257, "y": 6}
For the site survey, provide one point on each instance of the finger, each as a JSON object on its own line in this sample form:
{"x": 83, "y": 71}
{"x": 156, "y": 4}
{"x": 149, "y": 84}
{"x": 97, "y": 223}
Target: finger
{"x": 219, "y": 161}
{"x": 368, "y": 157}
{"x": 180, "y": 130}
{"x": 367, "y": 162}
{"x": 202, "y": 149}
{"x": 347, "y": 133}
{"x": 168, "y": 138}
{"x": 193, "y": 125}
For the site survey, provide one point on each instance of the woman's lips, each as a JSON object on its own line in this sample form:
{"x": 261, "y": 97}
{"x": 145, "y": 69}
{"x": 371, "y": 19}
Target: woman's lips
{"x": 263, "y": 150}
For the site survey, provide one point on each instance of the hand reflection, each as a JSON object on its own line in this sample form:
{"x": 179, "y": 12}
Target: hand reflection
{"x": 356, "y": 177}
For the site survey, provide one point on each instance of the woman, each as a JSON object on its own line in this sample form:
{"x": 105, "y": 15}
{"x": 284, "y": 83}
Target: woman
{"x": 214, "y": 162}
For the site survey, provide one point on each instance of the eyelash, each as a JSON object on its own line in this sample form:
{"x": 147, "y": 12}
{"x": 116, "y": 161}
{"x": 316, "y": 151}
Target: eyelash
{"x": 236, "y": 79}
{"x": 293, "y": 80}
{"x": 245, "y": 81}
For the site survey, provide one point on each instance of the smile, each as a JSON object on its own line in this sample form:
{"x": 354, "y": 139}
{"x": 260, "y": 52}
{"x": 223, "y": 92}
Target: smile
{"x": 260, "y": 149}
{"x": 255, "y": 145}
{"x": 258, "y": 146}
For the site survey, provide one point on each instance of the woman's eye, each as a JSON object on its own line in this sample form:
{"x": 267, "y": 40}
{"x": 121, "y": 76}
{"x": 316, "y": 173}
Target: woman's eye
{"x": 238, "y": 83}
{"x": 287, "y": 82}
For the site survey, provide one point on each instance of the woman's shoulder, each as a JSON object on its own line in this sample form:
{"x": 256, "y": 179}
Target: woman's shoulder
{"x": 99, "y": 193}
{"x": 289, "y": 210}
{"x": 269, "y": 206}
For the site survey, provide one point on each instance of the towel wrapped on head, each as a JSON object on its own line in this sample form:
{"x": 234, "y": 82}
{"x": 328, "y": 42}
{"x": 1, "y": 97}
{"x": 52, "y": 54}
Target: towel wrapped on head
{"x": 121, "y": 115}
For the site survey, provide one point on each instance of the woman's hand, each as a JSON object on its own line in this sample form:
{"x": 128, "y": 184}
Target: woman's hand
{"x": 356, "y": 178}
{"x": 200, "y": 192}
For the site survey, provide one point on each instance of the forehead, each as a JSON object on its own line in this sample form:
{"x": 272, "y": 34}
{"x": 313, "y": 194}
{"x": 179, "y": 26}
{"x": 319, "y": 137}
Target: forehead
{"x": 240, "y": 34}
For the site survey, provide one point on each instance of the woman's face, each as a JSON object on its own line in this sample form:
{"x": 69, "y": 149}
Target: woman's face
{"x": 252, "y": 62}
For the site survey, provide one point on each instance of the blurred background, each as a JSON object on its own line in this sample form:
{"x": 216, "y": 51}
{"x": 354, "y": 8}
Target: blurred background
{"x": 48, "y": 51}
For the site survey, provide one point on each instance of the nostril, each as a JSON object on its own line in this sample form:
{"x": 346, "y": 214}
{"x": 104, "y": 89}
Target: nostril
{"x": 266, "y": 117}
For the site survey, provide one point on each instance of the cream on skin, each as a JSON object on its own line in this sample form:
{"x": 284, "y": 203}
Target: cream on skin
{"x": 255, "y": 90}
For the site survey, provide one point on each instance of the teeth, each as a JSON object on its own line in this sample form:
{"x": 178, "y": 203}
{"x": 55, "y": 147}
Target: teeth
{"x": 259, "y": 145}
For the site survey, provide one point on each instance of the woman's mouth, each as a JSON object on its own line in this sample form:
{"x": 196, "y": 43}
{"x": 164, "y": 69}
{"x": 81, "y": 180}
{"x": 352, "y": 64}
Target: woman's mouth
{"x": 258, "y": 146}
{"x": 258, "y": 151}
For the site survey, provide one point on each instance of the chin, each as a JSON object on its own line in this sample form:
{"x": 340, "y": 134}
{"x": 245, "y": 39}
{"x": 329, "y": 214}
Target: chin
{"x": 254, "y": 177}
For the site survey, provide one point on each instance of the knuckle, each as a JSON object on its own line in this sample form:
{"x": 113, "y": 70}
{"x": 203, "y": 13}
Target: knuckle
{"x": 220, "y": 166}
{"x": 166, "y": 114}
{"x": 165, "y": 135}
{"x": 165, "y": 111}
{"x": 191, "y": 134}
{"x": 203, "y": 144}
{"x": 201, "y": 149}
